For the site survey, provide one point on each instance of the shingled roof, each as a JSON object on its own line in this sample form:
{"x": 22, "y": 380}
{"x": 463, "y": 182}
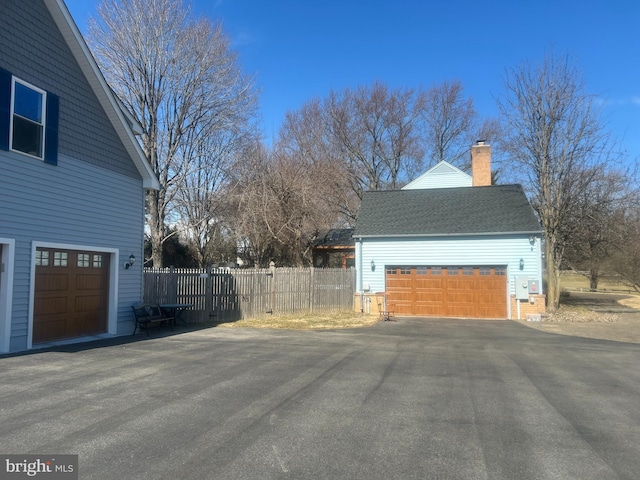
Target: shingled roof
{"x": 487, "y": 210}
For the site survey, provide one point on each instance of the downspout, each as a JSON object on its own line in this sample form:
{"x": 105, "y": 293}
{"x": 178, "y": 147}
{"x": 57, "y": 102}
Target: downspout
{"x": 359, "y": 276}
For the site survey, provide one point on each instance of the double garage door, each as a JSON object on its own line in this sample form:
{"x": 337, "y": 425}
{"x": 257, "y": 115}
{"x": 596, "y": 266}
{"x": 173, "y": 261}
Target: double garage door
{"x": 445, "y": 291}
{"x": 71, "y": 294}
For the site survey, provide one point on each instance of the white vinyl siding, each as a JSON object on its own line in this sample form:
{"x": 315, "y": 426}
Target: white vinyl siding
{"x": 443, "y": 175}
{"x": 506, "y": 250}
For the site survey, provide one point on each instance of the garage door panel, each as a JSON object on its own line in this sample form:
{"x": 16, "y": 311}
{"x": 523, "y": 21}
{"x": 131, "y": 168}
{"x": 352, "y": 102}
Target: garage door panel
{"x": 469, "y": 292}
{"x": 51, "y": 282}
{"x": 89, "y": 282}
{"x": 71, "y": 294}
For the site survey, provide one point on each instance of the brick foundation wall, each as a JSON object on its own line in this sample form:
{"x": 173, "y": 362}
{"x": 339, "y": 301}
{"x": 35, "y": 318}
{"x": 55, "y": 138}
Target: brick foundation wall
{"x": 369, "y": 304}
{"x": 538, "y": 307}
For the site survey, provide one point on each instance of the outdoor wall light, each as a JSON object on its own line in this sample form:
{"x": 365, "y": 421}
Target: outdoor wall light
{"x": 373, "y": 266}
{"x": 522, "y": 264}
{"x": 532, "y": 239}
{"x": 132, "y": 260}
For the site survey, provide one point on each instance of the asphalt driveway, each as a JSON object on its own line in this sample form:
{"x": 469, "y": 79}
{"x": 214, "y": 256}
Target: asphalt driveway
{"x": 424, "y": 399}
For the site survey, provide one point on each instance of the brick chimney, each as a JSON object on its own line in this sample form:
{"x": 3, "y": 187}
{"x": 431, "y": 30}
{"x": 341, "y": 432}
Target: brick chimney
{"x": 481, "y": 164}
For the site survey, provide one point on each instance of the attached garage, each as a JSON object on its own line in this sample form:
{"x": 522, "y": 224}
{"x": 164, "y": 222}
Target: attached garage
{"x": 71, "y": 294}
{"x": 447, "y": 291}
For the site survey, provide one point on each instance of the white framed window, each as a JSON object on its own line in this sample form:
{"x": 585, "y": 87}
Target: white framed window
{"x": 28, "y": 114}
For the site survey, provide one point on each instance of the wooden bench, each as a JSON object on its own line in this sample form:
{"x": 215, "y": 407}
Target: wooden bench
{"x": 147, "y": 314}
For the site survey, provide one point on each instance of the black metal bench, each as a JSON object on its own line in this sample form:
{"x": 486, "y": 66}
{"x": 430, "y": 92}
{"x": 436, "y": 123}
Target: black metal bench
{"x": 147, "y": 314}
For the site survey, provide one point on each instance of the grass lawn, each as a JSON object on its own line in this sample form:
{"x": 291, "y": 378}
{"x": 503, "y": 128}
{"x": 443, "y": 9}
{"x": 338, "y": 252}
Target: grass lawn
{"x": 575, "y": 281}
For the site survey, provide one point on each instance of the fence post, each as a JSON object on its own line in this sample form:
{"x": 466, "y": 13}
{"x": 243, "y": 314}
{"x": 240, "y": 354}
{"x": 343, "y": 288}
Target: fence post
{"x": 173, "y": 285}
{"x": 272, "y": 291}
{"x": 208, "y": 292}
{"x": 311, "y": 289}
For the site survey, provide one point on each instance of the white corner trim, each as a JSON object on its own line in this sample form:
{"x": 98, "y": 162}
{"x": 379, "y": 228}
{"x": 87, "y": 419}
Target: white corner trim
{"x": 6, "y": 291}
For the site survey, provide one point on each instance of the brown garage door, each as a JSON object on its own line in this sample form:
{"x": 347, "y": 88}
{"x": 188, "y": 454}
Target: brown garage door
{"x": 71, "y": 294}
{"x": 465, "y": 292}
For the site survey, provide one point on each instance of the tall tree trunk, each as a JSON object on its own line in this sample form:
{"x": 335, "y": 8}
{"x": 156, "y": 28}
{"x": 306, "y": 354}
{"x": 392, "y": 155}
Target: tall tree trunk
{"x": 553, "y": 277}
{"x": 156, "y": 227}
{"x": 593, "y": 279}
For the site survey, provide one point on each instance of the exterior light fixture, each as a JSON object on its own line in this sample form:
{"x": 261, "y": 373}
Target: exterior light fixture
{"x": 522, "y": 264}
{"x": 373, "y": 266}
{"x": 132, "y": 260}
{"x": 532, "y": 239}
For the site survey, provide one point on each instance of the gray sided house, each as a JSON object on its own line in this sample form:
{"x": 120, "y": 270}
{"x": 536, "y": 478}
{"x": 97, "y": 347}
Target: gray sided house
{"x": 72, "y": 186}
{"x": 450, "y": 245}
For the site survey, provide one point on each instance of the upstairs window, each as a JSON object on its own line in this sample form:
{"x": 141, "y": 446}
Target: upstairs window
{"x": 28, "y": 119}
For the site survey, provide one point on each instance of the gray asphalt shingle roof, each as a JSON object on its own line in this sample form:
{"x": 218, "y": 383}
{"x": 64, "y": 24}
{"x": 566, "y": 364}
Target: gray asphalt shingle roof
{"x": 446, "y": 211}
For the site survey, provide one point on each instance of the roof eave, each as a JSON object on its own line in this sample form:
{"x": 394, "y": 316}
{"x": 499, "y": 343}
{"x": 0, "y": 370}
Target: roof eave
{"x": 468, "y": 234}
{"x": 107, "y": 99}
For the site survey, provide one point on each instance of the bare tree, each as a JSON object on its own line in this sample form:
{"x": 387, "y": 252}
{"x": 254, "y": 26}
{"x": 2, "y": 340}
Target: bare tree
{"x": 556, "y": 136}
{"x": 375, "y": 132}
{"x": 278, "y": 207}
{"x": 451, "y": 124}
{"x": 597, "y": 223}
{"x": 305, "y": 136}
{"x": 181, "y": 80}
{"x": 449, "y": 119}
{"x": 625, "y": 260}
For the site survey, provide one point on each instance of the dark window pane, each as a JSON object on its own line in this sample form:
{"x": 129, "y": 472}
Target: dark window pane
{"x": 27, "y": 137}
{"x": 27, "y": 103}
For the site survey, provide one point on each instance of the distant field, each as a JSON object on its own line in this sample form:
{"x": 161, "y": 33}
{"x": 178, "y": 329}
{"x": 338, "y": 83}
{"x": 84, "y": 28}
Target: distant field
{"x": 575, "y": 281}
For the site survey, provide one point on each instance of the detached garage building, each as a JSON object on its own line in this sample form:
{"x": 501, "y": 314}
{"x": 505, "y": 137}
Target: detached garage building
{"x": 450, "y": 245}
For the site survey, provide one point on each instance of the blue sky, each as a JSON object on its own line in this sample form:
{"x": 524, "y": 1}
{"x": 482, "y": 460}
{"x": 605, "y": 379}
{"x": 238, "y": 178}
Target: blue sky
{"x": 298, "y": 50}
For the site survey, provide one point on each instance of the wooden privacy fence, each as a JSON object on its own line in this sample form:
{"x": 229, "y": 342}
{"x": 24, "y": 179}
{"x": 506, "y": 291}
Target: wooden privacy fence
{"x": 233, "y": 294}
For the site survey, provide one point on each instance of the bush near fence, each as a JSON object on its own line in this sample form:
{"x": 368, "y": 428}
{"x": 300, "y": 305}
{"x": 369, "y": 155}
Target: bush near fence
{"x": 226, "y": 295}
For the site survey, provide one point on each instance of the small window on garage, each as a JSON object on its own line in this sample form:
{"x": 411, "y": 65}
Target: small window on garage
{"x": 97, "y": 261}
{"x": 391, "y": 270}
{"x": 501, "y": 271}
{"x": 60, "y": 259}
{"x": 83, "y": 260}
{"x": 422, "y": 270}
{"x": 42, "y": 258}
{"x": 436, "y": 270}
{"x": 467, "y": 271}
{"x": 485, "y": 271}
{"x": 405, "y": 271}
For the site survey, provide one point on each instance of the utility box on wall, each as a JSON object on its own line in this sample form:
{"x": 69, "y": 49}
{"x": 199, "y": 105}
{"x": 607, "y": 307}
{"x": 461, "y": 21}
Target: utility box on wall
{"x": 522, "y": 288}
{"x": 526, "y": 286}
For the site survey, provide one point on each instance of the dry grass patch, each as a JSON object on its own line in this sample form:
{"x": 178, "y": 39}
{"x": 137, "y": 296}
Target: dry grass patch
{"x": 576, "y": 281}
{"x": 311, "y": 321}
{"x": 571, "y": 313}
{"x": 631, "y": 302}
